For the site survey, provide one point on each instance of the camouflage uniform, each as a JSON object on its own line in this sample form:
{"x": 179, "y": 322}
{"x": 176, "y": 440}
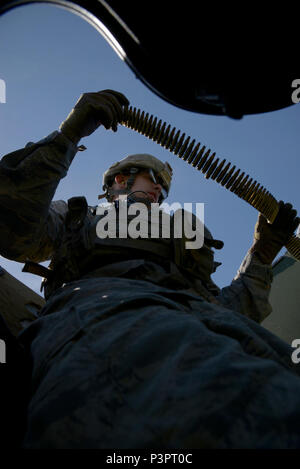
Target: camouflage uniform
{"x": 138, "y": 351}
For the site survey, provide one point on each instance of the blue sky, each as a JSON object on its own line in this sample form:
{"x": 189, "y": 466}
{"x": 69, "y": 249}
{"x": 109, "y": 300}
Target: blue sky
{"x": 49, "y": 56}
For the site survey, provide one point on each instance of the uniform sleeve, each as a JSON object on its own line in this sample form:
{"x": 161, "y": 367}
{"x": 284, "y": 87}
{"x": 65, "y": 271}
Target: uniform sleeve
{"x": 29, "y": 220}
{"x": 249, "y": 291}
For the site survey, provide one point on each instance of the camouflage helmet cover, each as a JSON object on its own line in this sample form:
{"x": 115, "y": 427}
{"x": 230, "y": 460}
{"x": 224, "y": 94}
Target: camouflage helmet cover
{"x": 143, "y": 161}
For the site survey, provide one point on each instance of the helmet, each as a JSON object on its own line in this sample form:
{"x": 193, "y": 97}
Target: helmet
{"x": 161, "y": 173}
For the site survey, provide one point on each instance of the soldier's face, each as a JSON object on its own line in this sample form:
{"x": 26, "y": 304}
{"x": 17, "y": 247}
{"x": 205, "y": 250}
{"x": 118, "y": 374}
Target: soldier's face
{"x": 143, "y": 186}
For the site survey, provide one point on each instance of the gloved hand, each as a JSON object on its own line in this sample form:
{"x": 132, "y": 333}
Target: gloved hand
{"x": 91, "y": 110}
{"x": 270, "y": 238}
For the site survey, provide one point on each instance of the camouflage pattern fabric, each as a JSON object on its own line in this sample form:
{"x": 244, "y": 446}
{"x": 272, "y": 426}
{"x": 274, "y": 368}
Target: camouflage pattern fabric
{"x": 123, "y": 363}
{"x": 123, "y": 358}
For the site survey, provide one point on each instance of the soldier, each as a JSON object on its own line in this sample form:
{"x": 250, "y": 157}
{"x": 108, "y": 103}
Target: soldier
{"x": 136, "y": 346}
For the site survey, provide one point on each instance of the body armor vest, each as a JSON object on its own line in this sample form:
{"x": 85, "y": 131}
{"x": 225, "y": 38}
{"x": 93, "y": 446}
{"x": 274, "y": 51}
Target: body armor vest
{"x": 79, "y": 250}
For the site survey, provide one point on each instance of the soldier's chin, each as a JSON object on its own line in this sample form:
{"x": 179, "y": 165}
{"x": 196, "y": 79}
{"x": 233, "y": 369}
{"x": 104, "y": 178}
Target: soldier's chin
{"x": 151, "y": 197}
{"x": 143, "y": 195}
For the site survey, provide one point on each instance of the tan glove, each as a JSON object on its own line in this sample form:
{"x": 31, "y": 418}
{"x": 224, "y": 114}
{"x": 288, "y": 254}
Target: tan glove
{"x": 91, "y": 110}
{"x": 269, "y": 238}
